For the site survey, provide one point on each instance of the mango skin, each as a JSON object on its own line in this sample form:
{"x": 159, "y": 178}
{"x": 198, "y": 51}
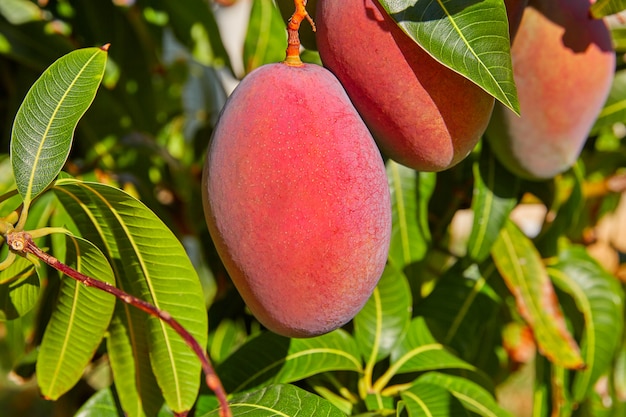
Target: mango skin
{"x": 296, "y": 200}
{"x": 422, "y": 114}
{"x": 563, "y": 64}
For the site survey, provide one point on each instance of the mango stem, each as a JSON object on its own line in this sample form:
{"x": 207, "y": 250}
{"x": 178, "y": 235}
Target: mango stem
{"x": 293, "y": 38}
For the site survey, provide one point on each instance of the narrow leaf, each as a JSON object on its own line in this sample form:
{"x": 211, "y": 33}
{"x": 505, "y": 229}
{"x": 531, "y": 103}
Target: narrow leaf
{"x": 78, "y": 322}
{"x": 44, "y": 125}
{"x": 270, "y": 358}
{"x": 266, "y": 39}
{"x": 281, "y": 401}
{"x": 495, "y": 195}
{"x": 474, "y": 397}
{"x": 524, "y": 273}
{"x": 385, "y": 316}
{"x": 470, "y": 37}
{"x": 150, "y": 263}
{"x": 410, "y": 193}
{"x": 600, "y": 299}
{"x": 602, "y": 8}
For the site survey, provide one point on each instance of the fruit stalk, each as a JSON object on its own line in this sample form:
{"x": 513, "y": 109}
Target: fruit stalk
{"x": 293, "y": 38}
{"x": 23, "y": 242}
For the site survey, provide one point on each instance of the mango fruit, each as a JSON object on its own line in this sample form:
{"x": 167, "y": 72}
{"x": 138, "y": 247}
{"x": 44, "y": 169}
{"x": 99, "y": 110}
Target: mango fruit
{"x": 422, "y": 114}
{"x": 563, "y": 64}
{"x": 296, "y": 199}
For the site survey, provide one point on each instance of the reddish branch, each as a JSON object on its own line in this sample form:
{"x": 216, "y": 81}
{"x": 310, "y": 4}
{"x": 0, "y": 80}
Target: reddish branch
{"x": 22, "y": 242}
{"x": 293, "y": 39}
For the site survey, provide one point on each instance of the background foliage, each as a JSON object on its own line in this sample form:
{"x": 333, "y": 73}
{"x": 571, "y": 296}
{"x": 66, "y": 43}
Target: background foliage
{"x": 480, "y": 261}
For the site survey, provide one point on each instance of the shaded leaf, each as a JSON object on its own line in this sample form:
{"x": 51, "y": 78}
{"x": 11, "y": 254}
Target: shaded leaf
{"x": 280, "y": 400}
{"x": 19, "y": 289}
{"x": 495, "y": 196}
{"x": 150, "y": 263}
{"x": 101, "y": 404}
{"x": 410, "y": 193}
{"x": 384, "y": 317}
{"x": 600, "y": 299}
{"x": 614, "y": 110}
{"x": 44, "y": 125}
{"x": 525, "y": 275}
{"x": 474, "y": 397}
{"x": 266, "y": 38}
{"x": 428, "y": 400}
{"x": 602, "y": 8}
{"x": 270, "y": 358}
{"x": 470, "y": 37}
{"x": 78, "y": 321}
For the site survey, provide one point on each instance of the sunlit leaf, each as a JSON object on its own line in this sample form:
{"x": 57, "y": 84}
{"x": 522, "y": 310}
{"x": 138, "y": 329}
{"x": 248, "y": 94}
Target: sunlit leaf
{"x": 473, "y": 397}
{"x": 471, "y": 37}
{"x": 78, "y": 322}
{"x": 281, "y": 401}
{"x": 270, "y": 358}
{"x": 525, "y": 275}
{"x": 614, "y": 110}
{"x": 44, "y": 125}
{"x": 600, "y": 299}
{"x": 101, "y": 404}
{"x": 495, "y": 195}
{"x": 19, "y": 289}
{"x": 410, "y": 193}
{"x": 602, "y": 8}
{"x": 385, "y": 316}
{"x": 266, "y": 39}
{"x": 151, "y": 263}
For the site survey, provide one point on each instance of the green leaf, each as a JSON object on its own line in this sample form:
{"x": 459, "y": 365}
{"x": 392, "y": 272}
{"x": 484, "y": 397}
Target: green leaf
{"x": 78, "y": 321}
{"x": 19, "y": 289}
{"x": 266, "y": 39}
{"x": 270, "y": 358}
{"x": 418, "y": 351}
{"x": 385, "y": 316}
{"x": 150, "y": 263}
{"x": 614, "y": 110}
{"x": 428, "y": 400}
{"x": 474, "y": 397}
{"x": 602, "y": 8}
{"x": 410, "y": 193}
{"x": 525, "y": 275}
{"x": 226, "y": 338}
{"x": 495, "y": 196}
{"x": 600, "y": 299}
{"x": 470, "y": 37}
{"x": 281, "y": 401}
{"x": 101, "y": 404}
{"x": 44, "y": 125}
{"x": 462, "y": 311}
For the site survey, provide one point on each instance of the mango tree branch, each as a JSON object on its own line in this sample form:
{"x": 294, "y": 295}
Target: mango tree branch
{"x": 22, "y": 242}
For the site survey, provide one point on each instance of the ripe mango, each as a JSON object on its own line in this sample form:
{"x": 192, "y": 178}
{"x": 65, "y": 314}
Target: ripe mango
{"x": 422, "y": 114}
{"x": 296, "y": 199}
{"x": 563, "y": 64}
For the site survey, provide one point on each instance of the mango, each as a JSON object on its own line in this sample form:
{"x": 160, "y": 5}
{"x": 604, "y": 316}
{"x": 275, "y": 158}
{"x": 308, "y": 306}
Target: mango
{"x": 296, "y": 199}
{"x": 563, "y": 63}
{"x": 422, "y": 114}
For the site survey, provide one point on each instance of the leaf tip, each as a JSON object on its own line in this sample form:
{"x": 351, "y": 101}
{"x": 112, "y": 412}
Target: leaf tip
{"x": 105, "y": 47}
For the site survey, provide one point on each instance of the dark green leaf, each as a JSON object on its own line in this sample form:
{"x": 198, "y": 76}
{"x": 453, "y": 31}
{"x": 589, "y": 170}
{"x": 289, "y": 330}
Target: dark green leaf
{"x": 410, "y": 193}
{"x": 19, "y": 289}
{"x": 525, "y": 275}
{"x": 282, "y": 401}
{"x": 474, "y": 397}
{"x": 600, "y": 299}
{"x": 270, "y": 358}
{"x": 385, "y": 316}
{"x": 78, "y": 322}
{"x": 614, "y": 110}
{"x": 495, "y": 195}
{"x": 44, "y": 125}
{"x": 470, "y": 37}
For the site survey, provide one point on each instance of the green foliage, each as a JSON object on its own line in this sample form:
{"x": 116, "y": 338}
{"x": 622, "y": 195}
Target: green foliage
{"x": 101, "y": 165}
